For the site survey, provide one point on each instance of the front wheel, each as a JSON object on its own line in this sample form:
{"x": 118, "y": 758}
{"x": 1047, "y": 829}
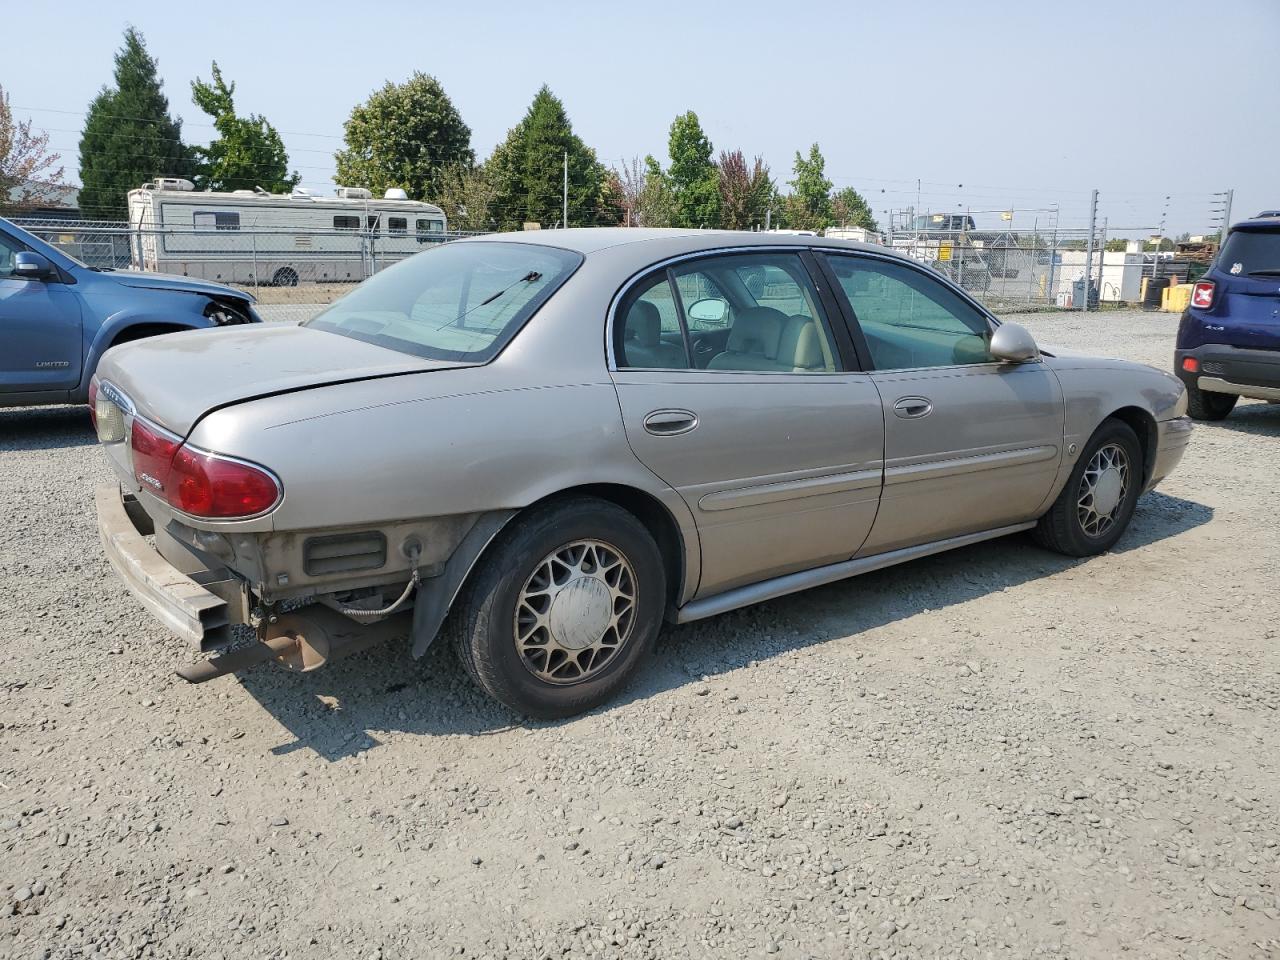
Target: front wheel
{"x": 1208, "y": 405}
{"x": 563, "y": 608}
{"x": 1098, "y": 501}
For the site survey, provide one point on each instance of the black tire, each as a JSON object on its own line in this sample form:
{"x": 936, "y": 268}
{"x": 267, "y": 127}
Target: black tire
{"x": 285, "y": 277}
{"x": 1062, "y": 529}
{"x": 1207, "y": 405}
{"x": 482, "y": 624}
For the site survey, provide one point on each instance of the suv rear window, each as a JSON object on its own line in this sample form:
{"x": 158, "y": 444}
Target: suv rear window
{"x": 1256, "y": 251}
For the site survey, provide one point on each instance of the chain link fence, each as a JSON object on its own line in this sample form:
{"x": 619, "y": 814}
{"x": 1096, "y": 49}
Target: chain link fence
{"x": 295, "y": 273}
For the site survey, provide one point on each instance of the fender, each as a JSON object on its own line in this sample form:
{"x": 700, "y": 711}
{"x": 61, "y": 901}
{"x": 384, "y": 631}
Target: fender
{"x": 184, "y": 310}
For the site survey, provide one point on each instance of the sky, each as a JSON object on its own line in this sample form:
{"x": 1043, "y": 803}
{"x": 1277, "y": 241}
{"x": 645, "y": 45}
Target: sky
{"x": 990, "y": 106}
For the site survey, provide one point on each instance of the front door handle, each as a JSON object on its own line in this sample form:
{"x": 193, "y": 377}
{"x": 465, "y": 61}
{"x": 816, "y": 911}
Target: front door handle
{"x": 913, "y": 408}
{"x": 670, "y": 423}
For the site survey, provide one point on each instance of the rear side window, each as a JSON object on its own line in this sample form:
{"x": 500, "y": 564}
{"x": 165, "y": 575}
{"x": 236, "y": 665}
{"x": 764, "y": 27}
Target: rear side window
{"x": 215, "y": 220}
{"x": 1249, "y": 252}
{"x": 397, "y": 225}
{"x": 346, "y": 223}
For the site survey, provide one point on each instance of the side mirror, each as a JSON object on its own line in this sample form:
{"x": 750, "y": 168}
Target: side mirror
{"x": 32, "y": 266}
{"x": 709, "y": 310}
{"x": 1012, "y": 343}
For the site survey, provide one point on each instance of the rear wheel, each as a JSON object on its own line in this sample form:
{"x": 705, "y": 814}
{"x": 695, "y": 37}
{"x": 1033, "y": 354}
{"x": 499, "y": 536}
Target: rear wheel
{"x": 285, "y": 277}
{"x": 1208, "y": 405}
{"x": 1097, "y": 503}
{"x": 562, "y": 610}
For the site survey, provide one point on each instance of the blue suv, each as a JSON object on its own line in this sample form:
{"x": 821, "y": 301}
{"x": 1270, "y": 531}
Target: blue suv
{"x": 1229, "y": 338}
{"x": 58, "y": 316}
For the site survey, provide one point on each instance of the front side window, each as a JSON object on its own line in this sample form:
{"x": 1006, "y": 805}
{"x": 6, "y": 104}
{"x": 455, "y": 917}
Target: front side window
{"x": 346, "y": 223}
{"x": 458, "y": 301}
{"x": 429, "y": 229}
{"x": 910, "y": 319}
{"x": 745, "y": 312}
{"x": 397, "y": 225}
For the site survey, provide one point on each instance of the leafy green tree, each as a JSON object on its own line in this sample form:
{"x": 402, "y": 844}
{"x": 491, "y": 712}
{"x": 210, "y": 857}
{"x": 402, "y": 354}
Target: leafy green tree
{"x": 467, "y": 197}
{"x": 402, "y": 136}
{"x": 693, "y": 177}
{"x": 850, "y": 209}
{"x": 745, "y": 191}
{"x": 527, "y": 171}
{"x": 656, "y": 206}
{"x": 247, "y": 152}
{"x": 129, "y": 136}
{"x": 29, "y": 172}
{"x": 809, "y": 205}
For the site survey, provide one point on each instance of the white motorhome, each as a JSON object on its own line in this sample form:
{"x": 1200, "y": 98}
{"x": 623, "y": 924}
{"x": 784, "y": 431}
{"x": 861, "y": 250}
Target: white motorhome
{"x": 255, "y": 237}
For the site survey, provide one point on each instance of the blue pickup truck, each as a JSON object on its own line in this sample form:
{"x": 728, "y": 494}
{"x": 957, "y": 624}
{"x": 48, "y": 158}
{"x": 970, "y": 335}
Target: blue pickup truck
{"x": 1229, "y": 338}
{"x": 58, "y": 316}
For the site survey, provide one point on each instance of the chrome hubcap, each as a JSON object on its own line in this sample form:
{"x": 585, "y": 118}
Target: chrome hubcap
{"x": 575, "y": 611}
{"x": 1102, "y": 489}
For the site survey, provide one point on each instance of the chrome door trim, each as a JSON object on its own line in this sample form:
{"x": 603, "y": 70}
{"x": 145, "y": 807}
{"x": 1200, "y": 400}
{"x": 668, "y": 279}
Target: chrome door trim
{"x": 956, "y": 466}
{"x": 790, "y": 583}
{"x": 791, "y": 490}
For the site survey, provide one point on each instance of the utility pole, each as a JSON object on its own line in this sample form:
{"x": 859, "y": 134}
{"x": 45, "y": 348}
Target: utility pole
{"x": 565, "y": 221}
{"x": 1226, "y": 196}
{"x": 1088, "y": 256}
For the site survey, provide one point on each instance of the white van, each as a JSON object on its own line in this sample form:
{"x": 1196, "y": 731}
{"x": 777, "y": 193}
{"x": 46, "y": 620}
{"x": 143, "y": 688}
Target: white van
{"x": 253, "y": 237}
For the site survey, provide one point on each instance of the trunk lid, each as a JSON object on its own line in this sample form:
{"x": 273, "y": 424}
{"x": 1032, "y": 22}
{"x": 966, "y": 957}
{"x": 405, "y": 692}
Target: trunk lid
{"x": 175, "y": 379}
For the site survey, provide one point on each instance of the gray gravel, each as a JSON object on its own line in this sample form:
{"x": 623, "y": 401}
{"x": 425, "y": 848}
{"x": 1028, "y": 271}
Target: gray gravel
{"x": 993, "y": 753}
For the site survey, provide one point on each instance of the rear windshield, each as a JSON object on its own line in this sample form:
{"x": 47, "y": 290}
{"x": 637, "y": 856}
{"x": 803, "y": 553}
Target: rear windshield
{"x": 1254, "y": 251}
{"x": 458, "y": 301}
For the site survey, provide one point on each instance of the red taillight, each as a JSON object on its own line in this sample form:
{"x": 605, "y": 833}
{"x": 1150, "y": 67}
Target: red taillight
{"x": 1191, "y": 364}
{"x": 205, "y": 485}
{"x": 93, "y": 403}
{"x": 201, "y": 484}
{"x": 1202, "y": 295}
{"x": 153, "y": 451}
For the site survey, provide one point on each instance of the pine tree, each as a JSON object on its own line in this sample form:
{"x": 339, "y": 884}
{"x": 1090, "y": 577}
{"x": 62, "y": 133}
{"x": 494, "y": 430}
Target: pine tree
{"x": 403, "y": 136}
{"x": 809, "y": 207}
{"x": 695, "y": 182}
{"x": 129, "y": 136}
{"x": 527, "y": 171}
{"x": 248, "y": 151}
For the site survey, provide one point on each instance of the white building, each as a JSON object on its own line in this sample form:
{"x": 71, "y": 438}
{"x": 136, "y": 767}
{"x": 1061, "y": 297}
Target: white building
{"x": 249, "y": 236}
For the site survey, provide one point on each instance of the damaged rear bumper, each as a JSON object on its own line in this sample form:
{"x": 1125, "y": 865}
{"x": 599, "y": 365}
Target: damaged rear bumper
{"x": 198, "y": 606}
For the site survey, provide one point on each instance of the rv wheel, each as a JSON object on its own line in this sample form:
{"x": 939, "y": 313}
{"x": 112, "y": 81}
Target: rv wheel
{"x": 285, "y": 277}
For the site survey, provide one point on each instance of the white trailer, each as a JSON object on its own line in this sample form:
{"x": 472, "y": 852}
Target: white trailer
{"x": 254, "y": 237}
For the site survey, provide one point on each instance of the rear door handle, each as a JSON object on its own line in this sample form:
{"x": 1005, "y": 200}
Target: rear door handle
{"x": 670, "y": 423}
{"x": 913, "y": 408}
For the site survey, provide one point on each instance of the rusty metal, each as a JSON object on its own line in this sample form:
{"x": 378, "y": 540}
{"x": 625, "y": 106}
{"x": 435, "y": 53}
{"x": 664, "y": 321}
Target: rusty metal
{"x": 241, "y": 659}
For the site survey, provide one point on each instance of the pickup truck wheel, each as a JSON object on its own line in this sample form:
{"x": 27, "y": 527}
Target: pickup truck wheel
{"x": 1207, "y": 405}
{"x": 1097, "y": 503}
{"x": 562, "y": 610}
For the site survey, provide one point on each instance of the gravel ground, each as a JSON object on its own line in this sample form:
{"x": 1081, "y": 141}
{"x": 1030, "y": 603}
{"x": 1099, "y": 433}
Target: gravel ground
{"x": 993, "y": 753}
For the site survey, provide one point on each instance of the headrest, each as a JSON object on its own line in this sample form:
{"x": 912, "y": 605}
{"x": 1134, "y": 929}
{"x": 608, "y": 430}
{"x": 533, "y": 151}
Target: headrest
{"x": 644, "y": 324}
{"x": 800, "y": 346}
{"x": 757, "y": 330}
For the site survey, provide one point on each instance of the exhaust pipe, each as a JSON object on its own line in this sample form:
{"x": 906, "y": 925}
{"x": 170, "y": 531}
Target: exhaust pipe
{"x": 303, "y": 640}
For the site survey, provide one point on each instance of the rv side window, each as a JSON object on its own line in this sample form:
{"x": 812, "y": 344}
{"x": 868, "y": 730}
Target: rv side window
{"x": 346, "y": 223}
{"x": 373, "y": 224}
{"x": 209, "y": 220}
{"x": 397, "y": 225}
{"x": 428, "y": 227}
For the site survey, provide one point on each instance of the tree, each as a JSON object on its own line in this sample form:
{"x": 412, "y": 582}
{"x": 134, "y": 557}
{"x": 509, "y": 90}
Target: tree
{"x": 809, "y": 206}
{"x": 402, "y": 136}
{"x": 744, "y": 191}
{"x": 657, "y": 204}
{"x": 129, "y": 136}
{"x": 467, "y": 197}
{"x": 527, "y": 171}
{"x": 850, "y": 209}
{"x": 694, "y": 180}
{"x": 28, "y": 176}
{"x": 248, "y": 151}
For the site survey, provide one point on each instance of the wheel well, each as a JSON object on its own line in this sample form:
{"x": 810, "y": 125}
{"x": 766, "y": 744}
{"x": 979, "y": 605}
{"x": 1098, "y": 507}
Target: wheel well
{"x": 140, "y": 331}
{"x": 650, "y": 512}
{"x": 1144, "y": 425}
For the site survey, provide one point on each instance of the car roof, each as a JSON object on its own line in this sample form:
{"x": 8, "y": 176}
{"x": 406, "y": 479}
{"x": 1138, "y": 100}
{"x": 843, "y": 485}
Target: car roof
{"x": 589, "y": 240}
{"x": 1259, "y": 223}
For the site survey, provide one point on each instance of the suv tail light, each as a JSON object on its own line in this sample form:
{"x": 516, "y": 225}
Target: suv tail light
{"x": 1202, "y": 294}
{"x": 197, "y": 482}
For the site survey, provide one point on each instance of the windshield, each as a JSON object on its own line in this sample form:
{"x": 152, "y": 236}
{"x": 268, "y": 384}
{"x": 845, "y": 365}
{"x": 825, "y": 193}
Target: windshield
{"x": 1251, "y": 251}
{"x": 459, "y": 301}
